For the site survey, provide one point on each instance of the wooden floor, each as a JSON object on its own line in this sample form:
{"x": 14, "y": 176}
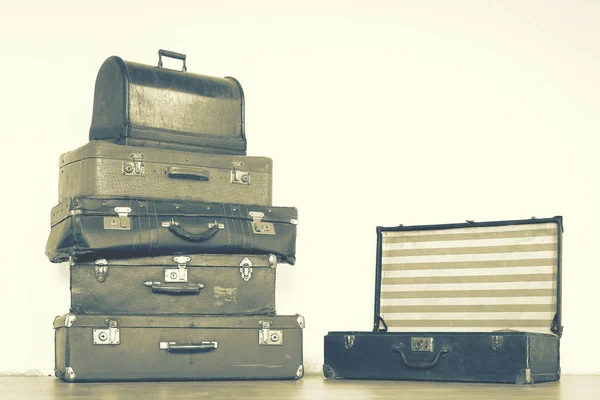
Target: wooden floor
{"x": 311, "y": 387}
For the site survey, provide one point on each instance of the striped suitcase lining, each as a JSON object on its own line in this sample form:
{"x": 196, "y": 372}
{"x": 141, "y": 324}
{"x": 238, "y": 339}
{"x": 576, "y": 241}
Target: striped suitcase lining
{"x": 476, "y": 279}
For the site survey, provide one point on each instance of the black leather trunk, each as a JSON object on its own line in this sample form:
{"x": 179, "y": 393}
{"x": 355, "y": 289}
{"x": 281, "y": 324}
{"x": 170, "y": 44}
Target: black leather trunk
{"x": 129, "y": 348}
{"x": 90, "y": 228}
{"x": 195, "y": 284}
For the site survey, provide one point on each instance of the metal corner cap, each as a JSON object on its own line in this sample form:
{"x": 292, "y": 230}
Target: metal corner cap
{"x": 272, "y": 260}
{"x": 301, "y": 322}
{"x": 70, "y": 374}
{"x": 70, "y": 320}
{"x": 300, "y": 372}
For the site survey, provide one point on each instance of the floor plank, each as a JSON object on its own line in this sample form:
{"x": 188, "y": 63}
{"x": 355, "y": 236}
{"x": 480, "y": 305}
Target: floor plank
{"x": 311, "y": 387}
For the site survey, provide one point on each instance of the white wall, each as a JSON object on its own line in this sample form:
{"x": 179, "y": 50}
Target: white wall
{"x": 374, "y": 112}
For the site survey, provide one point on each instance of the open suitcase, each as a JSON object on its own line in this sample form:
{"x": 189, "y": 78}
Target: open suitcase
{"x": 474, "y": 302}
{"x": 171, "y": 285}
{"x": 89, "y": 228}
{"x": 104, "y": 170}
{"x": 151, "y": 106}
{"x": 131, "y": 347}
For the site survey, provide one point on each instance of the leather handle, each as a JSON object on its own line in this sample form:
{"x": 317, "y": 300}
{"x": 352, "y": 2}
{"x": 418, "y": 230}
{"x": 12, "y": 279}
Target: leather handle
{"x": 421, "y": 365}
{"x": 173, "y": 347}
{"x": 171, "y": 54}
{"x": 158, "y": 287}
{"x": 198, "y": 174}
{"x": 181, "y": 232}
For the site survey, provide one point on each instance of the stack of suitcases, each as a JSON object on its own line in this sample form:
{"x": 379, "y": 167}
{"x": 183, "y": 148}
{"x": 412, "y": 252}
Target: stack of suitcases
{"x": 171, "y": 237}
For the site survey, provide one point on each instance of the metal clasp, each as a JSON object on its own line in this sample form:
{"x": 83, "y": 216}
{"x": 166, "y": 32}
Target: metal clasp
{"x": 246, "y": 269}
{"x": 135, "y": 168}
{"x": 258, "y": 226}
{"x": 178, "y": 274}
{"x": 110, "y": 336}
{"x": 101, "y": 269}
{"x": 268, "y": 337}
{"x": 348, "y": 341}
{"x": 238, "y": 176}
{"x": 122, "y": 222}
{"x": 421, "y": 344}
{"x": 497, "y": 342}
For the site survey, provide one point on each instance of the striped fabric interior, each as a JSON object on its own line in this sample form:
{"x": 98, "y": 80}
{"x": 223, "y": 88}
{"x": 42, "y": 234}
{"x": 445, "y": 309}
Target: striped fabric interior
{"x": 477, "y": 279}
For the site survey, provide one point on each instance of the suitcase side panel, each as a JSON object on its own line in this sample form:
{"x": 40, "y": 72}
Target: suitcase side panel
{"x": 237, "y": 355}
{"x": 124, "y": 290}
{"x": 455, "y": 357}
{"x": 544, "y": 358}
{"x": 104, "y": 178}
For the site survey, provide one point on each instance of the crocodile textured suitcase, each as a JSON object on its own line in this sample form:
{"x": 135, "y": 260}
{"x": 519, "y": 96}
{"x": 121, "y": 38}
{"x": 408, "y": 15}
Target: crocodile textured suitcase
{"x": 104, "y": 170}
{"x": 474, "y": 302}
{"x": 129, "y": 348}
{"x": 144, "y": 105}
{"x": 193, "y": 284}
{"x": 88, "y": 228}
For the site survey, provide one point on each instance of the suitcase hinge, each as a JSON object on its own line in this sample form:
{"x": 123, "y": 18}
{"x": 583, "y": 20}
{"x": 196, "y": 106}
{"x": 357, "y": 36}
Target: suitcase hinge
{"x": 238, "y": 176}
{"x": 178, "y": 274}
{"x": 101, "y": 269}
{"x": 268, "y": 337}
{"x": 246, "y": 269}
{"x": 110, "y": 335}
{"x": 122, "y": 222}
{"x": 348, "y": 341}
{"x": 135, "y": 167}
{"x": 258, "y": 226}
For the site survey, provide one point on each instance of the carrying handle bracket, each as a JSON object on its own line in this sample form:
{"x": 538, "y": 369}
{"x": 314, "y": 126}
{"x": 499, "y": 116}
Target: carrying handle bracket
{"x": 173, "y": 347}
{"x": 171, "y": 54}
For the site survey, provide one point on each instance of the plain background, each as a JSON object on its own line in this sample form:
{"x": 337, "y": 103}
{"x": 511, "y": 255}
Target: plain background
{"x": 374, "y": 113}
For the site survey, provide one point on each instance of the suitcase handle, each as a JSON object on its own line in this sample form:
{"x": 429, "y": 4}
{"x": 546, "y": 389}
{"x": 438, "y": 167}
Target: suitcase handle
{"x": 158, "y": 287}
{"x": 421, "y": 365}
{"x": 171, "y": 54}
{"x": 181, "y": 232}
{"x": 173, "y": 347}
{"x": 188, "y": 173}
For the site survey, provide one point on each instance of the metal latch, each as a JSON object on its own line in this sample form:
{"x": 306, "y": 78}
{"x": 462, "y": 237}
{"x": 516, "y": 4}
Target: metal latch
{"x": 178, "y": 274}
{"x": 268, "y": 337}
{"x": 497, "y": 342}
{"x": 110, "y": 335}
{"x": 246, "y": 269}
{"x": 122, "y": 222}
{"x": 258, "y": 226}
{"x": 238, "y": 176}
{"x": 101, "y": 269}
{"x": 421, "y": 344}
{"x": 348, "y": 341}
{"x": 135, "y": 167}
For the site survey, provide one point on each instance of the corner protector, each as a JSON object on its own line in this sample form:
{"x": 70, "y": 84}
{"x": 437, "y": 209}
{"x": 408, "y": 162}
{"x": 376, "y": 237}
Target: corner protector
{"x": 69, "y": 375}
{"x": 301, "y": 322}
{"x": 328, "y": 372}
{"x": 70, "y": 320}
{"x": 300, "y": 372}
{"x": 272, "y": 260}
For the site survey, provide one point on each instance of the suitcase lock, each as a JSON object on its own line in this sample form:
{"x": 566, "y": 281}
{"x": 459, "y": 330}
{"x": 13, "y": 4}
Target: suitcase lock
{"x": 258, "y": 226}
{"x": 107, "y": 336}
{"x": 178, "y": 274}
{"x": 268, "y": 337}
{"x": 101, "y": 269}
{"x": 238, "y": 176}
{"x": 122, "y": 222}
{"x": 246, "y": 269}
{"x": 135, "y": 167}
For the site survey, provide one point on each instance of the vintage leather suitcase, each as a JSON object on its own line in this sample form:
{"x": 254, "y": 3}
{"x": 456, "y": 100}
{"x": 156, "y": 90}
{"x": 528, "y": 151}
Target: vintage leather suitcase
{"x": 105, "y": 170}
{"x": 127, "y": 348}
{"x": 171, "y": 285}
{"x": 88, "y": 228}
{"x": 144, "y": 105}
{"x": 460, "y": 302}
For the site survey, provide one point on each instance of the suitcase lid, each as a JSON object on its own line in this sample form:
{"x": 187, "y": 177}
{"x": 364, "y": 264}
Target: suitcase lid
{"x": 171, "y": 209}
{"x": 156, "y": 103}
{"x": 470, "y": 277}
{"x": 193, "y": 322}
{"x": 108, "y": 151}
{"x": 188, "y": 260}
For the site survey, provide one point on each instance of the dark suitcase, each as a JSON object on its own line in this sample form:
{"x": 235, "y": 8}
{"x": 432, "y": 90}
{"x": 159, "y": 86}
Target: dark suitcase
{"x": 89, "y": 228}
{"x": 194, "y": 284}
{"x": 460, "y": 302}
{"x": 105, "y": 170}
{"x": 144, "y": 105}
{"x": 127, "y": 348}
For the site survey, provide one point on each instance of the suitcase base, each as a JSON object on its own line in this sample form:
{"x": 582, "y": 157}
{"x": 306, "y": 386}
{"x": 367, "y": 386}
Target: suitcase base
{"x": 136, "y": 348}
{"x": 502, "y": 357}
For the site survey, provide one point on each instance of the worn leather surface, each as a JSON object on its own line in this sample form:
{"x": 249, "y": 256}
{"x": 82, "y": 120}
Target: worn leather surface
{"x": 82, "y": 234}
{"x": 470, "y": 357}
{"x": 123, "y": 290}
{"x": 138, "y": 357}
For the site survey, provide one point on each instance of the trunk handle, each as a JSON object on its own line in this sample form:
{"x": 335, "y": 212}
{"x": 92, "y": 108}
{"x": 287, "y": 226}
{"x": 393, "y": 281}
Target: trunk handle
{"x": 181, "y": 232}
{"x": 397, "y": 350}
{"x": 171, "y": 54}
{"x": 158, "y": 287}
{"x": 173, "y": 347}
{"x": 188, "y": 173}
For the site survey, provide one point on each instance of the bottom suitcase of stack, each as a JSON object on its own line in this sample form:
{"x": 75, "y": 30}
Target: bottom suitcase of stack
{"x": 114, "y": 348}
